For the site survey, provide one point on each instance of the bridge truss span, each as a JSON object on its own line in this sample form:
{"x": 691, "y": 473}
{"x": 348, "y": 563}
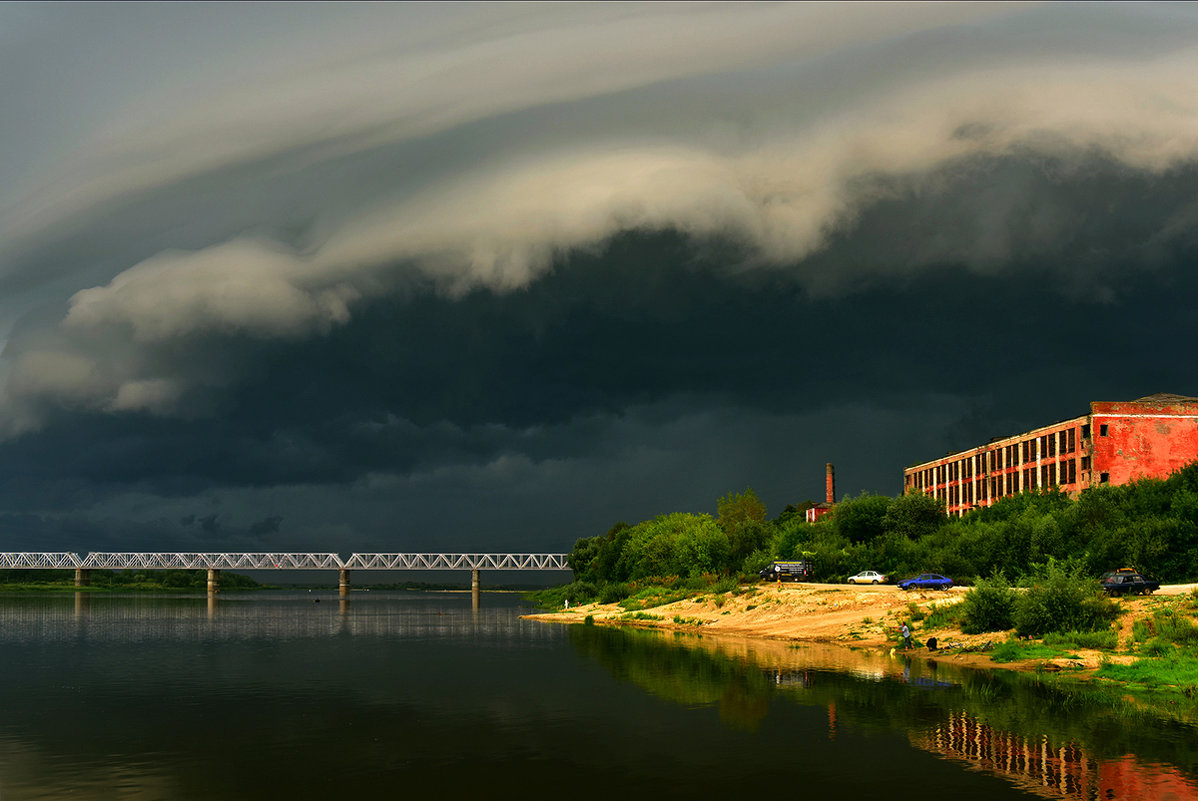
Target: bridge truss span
{"x": 212, "y": 561}
{"x": 106, "y": 560}
{"x": 39, "y": 561}
{"x": 458, "y": 561}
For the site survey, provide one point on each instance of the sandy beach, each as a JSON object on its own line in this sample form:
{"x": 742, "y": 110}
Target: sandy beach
{"x": 864, "y": 617}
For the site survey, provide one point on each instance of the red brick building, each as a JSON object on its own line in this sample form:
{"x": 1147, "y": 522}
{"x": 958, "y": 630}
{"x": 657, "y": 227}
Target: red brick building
{"x": 821, "y": 509}
{"x": 1115, "y": 443}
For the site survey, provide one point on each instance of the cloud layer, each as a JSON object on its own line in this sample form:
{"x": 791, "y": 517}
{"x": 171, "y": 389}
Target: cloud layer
{"x": 271, "y": 229}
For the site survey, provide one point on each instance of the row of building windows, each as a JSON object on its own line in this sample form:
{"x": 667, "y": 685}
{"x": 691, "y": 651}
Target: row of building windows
{"x": 988, "y": 488}
{"x": 1046, "y": 446}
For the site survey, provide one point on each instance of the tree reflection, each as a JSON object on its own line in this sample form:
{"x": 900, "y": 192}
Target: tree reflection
{"x": 1046, "y": 734}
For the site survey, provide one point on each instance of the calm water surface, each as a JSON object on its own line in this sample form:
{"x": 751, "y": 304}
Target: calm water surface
{"x": 274, "y": 695}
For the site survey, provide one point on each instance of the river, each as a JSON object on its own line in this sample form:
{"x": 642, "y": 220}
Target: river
{"x": 294, "y": 695}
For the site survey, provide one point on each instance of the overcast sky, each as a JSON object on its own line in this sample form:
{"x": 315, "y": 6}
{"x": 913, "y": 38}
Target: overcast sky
{"x": 425, "y": 277}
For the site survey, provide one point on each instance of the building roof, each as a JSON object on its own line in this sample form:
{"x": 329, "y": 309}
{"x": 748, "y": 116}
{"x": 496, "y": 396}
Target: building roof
{"x": 1166, "y": 397}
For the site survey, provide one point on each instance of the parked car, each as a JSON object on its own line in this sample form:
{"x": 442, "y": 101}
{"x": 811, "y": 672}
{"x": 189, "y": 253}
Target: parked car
{"x": 868, "y": 577}
{"x": 1126, "y": 581}
{"x": 786, "y": 571}
{"x": 926, "y": 581}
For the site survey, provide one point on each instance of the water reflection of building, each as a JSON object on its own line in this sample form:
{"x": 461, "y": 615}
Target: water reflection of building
{"x": 1064, "y": 771}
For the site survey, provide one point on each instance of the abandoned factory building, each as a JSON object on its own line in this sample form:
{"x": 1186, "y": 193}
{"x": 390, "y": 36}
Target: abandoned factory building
{"x": 1115, "y": 443}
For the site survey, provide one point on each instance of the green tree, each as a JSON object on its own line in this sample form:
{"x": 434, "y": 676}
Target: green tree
{"x": 913, "y": 515}
{"x": 679, "y": 544}
{"x": 735, "y": 509}
{"x": 861, "y": 519}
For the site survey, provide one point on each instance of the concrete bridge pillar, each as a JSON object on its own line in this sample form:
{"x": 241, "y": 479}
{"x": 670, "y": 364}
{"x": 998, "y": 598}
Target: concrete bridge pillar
{"x": 213, "y": 581}
{"x": 343, "y": 583}
{"x": 83, "y": 577}
{"x": 474, "y": 589}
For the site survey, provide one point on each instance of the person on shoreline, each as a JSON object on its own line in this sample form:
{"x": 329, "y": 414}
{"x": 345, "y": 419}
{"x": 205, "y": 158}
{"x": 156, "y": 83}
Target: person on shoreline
{"x": 906, "y": 632}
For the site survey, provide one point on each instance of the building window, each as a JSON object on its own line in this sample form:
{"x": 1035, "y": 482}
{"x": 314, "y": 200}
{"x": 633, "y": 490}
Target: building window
{"x": 1072, "y": 441}
{"x": 1073, "y": 471}
{"x": 1104, "y": 478}
{"x": 1085, "y": 463}
{"x": 1102, "y": 429}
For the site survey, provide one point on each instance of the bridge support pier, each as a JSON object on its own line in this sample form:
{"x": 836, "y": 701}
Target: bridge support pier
{"x": 83, "y": 577}
{"x": 343, "y": 583}
{"x": 213, "y": 581}
{"x": 474, "y": 589}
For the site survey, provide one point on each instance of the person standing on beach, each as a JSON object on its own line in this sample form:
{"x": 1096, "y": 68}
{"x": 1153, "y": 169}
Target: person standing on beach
{"x": 906, "y": 637}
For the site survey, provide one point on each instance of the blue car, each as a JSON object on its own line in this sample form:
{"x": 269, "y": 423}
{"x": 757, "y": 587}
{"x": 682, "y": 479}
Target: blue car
{"x": 927, "y": 581}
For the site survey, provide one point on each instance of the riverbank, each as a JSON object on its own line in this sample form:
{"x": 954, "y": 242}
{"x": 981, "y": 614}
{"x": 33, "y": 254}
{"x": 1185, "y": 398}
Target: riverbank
{"x": 866, "y": 617}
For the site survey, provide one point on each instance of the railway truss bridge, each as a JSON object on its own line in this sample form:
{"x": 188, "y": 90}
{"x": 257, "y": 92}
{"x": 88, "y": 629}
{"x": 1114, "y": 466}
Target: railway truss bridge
{"x": 214, "y": 563}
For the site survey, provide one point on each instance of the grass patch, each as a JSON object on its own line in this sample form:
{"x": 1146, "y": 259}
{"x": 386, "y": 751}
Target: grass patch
{"x": 1178, "y": 671}
{"x": 945, "y": 616}
{"x": 1100, "y": 640}
{"x": 650, "y": 597}
{"x": 915, "y": 612}
{"x": 728, "y": 584}
{"x": 639, "y": 616}
{"x": 1016, "y": 650}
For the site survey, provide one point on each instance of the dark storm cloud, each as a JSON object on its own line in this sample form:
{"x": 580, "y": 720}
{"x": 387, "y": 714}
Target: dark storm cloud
{"x": 465, "y": 276}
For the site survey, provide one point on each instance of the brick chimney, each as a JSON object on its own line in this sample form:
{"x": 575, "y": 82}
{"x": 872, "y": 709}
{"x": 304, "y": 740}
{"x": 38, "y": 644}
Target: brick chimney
{"x": 830, "y": 484}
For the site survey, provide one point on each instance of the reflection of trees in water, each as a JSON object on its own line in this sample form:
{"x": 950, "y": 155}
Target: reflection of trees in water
{"x": 912, "y": 696}
{"x": 679, "y": 674}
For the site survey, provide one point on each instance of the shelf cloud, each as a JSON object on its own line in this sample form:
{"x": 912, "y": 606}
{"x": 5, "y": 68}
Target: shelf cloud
{"x": 481, "y": 221}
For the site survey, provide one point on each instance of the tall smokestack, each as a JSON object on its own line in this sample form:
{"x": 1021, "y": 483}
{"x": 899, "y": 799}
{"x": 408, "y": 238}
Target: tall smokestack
{"x": 830, "y": 483}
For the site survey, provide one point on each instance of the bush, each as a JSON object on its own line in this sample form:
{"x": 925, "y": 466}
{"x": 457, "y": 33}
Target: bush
{"x": 990, "y": 606}
{"x": 1062, "y": 601}
{"x": 613, "y": 592}
{"x": 725, "y": 585}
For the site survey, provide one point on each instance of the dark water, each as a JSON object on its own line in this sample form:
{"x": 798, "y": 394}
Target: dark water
{"x": 269, "y": 696}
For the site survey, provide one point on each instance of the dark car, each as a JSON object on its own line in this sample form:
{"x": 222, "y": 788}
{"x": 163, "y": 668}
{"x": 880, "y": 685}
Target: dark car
{"x": 786, "y": 571}
{"x": 1127, "y": 582}
{"x": 926, "y": 581}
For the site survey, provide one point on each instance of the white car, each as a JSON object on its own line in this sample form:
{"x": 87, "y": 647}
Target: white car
{"x": 867, "y": 577}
